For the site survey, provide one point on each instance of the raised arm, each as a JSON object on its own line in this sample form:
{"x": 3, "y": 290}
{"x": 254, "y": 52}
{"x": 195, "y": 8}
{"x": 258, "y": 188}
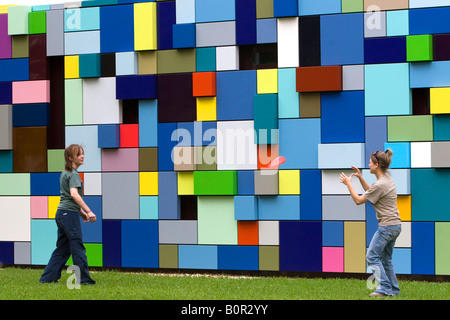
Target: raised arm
{"x": 358, "y": 174}
{"x": 359, "y": 199}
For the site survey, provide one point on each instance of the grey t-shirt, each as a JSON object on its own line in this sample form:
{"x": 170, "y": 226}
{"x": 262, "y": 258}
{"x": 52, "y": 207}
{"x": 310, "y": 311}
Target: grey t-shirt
{"x": 68, "y": 180}
{"x": 383, "y": 195}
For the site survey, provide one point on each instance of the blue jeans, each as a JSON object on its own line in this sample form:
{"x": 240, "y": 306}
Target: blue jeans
{"x": 70, "y": 241}
{"x": 379, "y": 258}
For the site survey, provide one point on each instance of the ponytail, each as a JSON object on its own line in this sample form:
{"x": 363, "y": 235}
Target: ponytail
{"x": 382, "y": 158}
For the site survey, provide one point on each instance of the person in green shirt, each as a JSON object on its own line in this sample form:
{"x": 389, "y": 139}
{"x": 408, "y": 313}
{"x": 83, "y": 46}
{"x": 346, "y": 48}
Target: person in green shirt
{"x": 67, "y": 217}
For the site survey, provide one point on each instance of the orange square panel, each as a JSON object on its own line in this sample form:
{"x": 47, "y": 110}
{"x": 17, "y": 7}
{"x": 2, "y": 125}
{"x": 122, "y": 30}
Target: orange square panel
{"x": 203, "y": 84}
{"x": 317, "y": 79}
{"x": 248, "y": 233}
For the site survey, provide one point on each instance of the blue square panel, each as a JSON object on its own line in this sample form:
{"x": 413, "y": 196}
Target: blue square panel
{"x": 342, "y": 39}
{"x": 140, "y": 246}
{"x": 422, "y": 248}
{"x": 213, "y": 11}
{"x": 184, "y": 35}
{"x": 111, "y": 236}
{"x": 238, "y": 257}
{"x": 305, "y": 135}
{"x": 109, "y": 136}
{"x": 339, "y": 108}
{"x": 116, "y": 28}
{"x": 333, "y": 233}
{"x": 45, "y": 184}
{"x": 301, "y": 246}
{"x": 245, "y": 22}
{"x": 385, "y": 50}
{"x": 92, "y": 232}
{"x": 314, "y": 7}
{"x": 246, "y": 182}
{"x": 197, "y": 257}
{"x": 235, "y": 88}
{"x": 311, "y": 195}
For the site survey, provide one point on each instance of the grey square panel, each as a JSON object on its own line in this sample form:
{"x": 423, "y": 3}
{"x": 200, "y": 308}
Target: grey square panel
{"x": 178, "y": 231}
{"x": 120, "y": 195}
{"x": 216, "y": 34}
{"x": 342, "y": 208}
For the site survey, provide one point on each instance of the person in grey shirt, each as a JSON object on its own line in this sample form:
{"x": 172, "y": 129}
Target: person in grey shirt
{"x": 67, "y": 217}
{"x": 383, "y": 196}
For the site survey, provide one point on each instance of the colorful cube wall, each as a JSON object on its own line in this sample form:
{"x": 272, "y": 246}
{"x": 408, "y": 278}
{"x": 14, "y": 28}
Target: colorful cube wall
{"x": 183, "y": 108}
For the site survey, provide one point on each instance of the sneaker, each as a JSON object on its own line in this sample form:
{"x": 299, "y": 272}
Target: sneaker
{"x": 377, "y": 294}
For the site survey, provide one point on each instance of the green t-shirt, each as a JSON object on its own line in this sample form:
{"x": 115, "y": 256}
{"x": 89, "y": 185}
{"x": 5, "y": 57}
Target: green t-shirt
{"x": 68, "y": 180}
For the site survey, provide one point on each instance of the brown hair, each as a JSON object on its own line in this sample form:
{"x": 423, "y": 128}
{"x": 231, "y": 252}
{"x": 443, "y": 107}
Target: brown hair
{"x": 70, "y": 152}
{"x": 382, "y": 158}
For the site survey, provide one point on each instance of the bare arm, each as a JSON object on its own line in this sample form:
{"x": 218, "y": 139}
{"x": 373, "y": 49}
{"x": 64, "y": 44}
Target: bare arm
{"x": 359, "y": 199}
{"x": 363, "y": 182}
{"x": 85, "y": 211}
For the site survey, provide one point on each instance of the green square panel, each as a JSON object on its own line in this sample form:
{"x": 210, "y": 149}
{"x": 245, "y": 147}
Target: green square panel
{"x": 94, "y": 253}
{"x": 410, "y": 128}
{"x": 55, "y": 158}
{"x": 37, "y": 22}
{"x": 442, "y": 248}
{"x": 352, "y": 6}
{"x": 419, "y": 48}
{"x": 216, "y": 224}
{"x": 215, "y": 182}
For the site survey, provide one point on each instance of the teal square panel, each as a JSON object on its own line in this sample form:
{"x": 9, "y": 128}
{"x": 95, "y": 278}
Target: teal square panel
{"x": 148, "y": 207}
{"x": 43, "y": 240}
{"x": 387, "y": 89}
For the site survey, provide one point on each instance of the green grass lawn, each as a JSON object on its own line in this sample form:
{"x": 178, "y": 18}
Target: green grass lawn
{"x": 22, "y": 284}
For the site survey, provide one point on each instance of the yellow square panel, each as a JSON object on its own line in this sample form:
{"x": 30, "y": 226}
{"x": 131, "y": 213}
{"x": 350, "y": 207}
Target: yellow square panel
{"x": 439, "y": 100}
{"x": 71, "y": 67}
{"x": 289, "y": 181}
{"x": 267, "y": 81}
{"x": 145, "y": 35}
{"x": 206, "y": 109}
{"x": 53, "y": 202}
{"x": 186, "y": 183}
{"x": 148, "y": 183}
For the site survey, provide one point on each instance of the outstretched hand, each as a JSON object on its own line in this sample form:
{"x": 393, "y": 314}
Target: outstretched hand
{"x": 357, "y": 172}
{"x": 346, "y": 180}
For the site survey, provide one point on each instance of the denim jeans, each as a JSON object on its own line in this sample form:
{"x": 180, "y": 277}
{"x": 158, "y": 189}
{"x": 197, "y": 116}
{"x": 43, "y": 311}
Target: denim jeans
{"x": 379, "y": 258}
{"x": 70, "y": 241}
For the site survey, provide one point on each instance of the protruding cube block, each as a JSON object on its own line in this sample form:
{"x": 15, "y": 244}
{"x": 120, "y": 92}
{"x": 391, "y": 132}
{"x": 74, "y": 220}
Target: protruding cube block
{"x": 266, "y": 182}
{"x": 215, "y": 182}
{"x": 315, "y": 79}
{"x": 89, "y": 65}
{"x": 439, "y": 100}
{"x": 129, "y": 135}
{"x": 109, "y": 136}
{"x": 203, "y": 84}
{"x": 419, "y": 48}
{"x": 184, "y": 35}
{"x": 37, "y": 22}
